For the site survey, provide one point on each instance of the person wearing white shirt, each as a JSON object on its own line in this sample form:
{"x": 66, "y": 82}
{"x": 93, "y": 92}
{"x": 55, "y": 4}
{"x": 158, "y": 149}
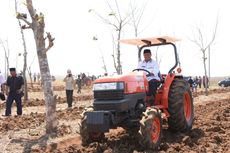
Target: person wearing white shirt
{"x": 2, "y": 81}
{"x": 69, "y": 86}
{"x": 150, "y": 65}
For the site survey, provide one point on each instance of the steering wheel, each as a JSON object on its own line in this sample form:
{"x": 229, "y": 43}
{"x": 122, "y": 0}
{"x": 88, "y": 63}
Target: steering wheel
{"x": 143, "y": 70}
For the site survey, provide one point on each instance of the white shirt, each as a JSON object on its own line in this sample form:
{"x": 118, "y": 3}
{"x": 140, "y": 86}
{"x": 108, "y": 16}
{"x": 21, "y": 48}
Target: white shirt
{"x": 2, "y": 80}
{"x": 69, "y": 83}
{"x": 152, "y": 67}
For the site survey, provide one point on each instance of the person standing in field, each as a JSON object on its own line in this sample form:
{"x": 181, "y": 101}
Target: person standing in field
{"x": 79, "y": 83}
{"x": 14, "y": 91}
{"x": 39, "y": 78}
{"x": 2, "y": 81}
{"x": 69, "y": 86}
{"x": 199, "y": 81}
{"x": 35, "y": 77}
{"x": 205, "y": 82}
{"x": 191, "y": 82}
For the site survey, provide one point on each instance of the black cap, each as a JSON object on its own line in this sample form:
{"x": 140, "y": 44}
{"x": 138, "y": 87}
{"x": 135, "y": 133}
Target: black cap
{"x": 12, "y": 69}
{"x": 147, "y": 51}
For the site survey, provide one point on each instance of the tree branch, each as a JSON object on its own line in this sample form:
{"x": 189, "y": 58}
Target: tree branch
{"x": 111, "y": 9}
{"x": 125, "y": 21}
{"x": 195, "y": 42}
{"x": 104, "y": 19}
{"x": 200, "y": 37}
{"x": 214, "y": 35}
{"x": 23, "y": 17}
{"x": 141, "y": 14}
{"x": 30, "y": 8}
{"x": 118, "y": 10}
{"x": 113, "y": 55}
{"x": 50, "y": 39}
{"x": 114, "y": 25}
{"x": 199, "y": 40}
{"x": 3, "y": 46}
{"x": 133, "y": 11}
{"x": 25, "y": 27}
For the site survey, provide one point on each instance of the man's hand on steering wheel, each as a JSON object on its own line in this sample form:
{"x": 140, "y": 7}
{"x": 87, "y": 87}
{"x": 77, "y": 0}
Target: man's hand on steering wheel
{"x": 149, "y": 73}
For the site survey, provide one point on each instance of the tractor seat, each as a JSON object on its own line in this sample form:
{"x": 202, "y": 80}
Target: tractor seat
{"x": 162, "y": 77}
{"x": 162, "y": 80}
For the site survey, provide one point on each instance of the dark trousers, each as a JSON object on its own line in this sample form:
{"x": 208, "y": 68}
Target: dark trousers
{"x": 152, "y": 88}
{"x": 79, "y": 89}
{"x": 204, "y": 85}
{"x": 199, "y": 85}
{"x": 69, "y": 97}
{"x": 9, "y": 102}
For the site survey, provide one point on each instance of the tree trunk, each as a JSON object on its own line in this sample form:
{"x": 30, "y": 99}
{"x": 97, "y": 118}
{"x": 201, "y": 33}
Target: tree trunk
{"x": 104, "y": 65}
{"x": 139, "y": 54}
{"x": 119, "y": 67}
{"x": 209, "y": 64}
{"x": 30, "y": 75}
{"x": 7, "y": 54}
{"x": 25, "y": 57}
{"x": 138, "y": 48}
{"x": 38, "y": 26}
{"x": 205, "y": 74}
{"x": 51, "y": 119}
{"x": 7, "y": 66}
{"x": 7, "y": 59}
{"x": 113, "y": 55}
{"x": 25, "y": 64}
{"x": 114, "y": 63}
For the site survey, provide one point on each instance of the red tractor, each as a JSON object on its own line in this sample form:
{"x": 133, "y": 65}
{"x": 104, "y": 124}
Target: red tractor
{"x": 121, "y": 101}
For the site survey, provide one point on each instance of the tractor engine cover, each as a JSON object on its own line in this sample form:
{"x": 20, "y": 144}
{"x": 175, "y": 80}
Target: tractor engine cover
{"x": 98, "y": 121}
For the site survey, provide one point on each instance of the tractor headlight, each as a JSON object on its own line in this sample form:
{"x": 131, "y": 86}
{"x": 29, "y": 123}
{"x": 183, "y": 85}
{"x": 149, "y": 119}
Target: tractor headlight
{"x": 109, "y": 86}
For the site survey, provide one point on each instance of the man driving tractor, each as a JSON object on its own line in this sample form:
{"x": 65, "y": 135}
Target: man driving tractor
{"x": 135, "y": 102}
{"x": 150, "y": 65}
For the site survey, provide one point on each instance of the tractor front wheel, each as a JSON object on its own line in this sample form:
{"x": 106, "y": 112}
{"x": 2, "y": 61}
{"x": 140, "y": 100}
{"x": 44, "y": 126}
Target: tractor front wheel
{"x": 150, "y": 129}
{"x": 180, "y": 106}
{"x": 86, "y": 136}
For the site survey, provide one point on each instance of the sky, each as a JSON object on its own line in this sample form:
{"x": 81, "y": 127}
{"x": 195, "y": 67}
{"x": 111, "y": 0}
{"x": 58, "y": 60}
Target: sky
{"x": 74, "y": 27}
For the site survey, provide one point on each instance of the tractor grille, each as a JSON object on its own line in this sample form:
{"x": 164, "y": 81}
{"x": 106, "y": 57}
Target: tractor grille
{"x": 109, "y": 94}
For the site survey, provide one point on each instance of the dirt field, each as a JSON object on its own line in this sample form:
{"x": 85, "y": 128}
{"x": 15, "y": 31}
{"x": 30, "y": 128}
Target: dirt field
{"x": 210, "y": 133}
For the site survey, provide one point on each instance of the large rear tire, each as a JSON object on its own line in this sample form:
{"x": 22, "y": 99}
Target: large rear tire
{"x": 86, "y": 136}
{"x": 150, "y": 129}
{"x": 180, "y": 106}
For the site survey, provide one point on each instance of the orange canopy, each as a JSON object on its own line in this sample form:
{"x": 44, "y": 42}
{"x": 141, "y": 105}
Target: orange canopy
{"x": 149, "y": 41}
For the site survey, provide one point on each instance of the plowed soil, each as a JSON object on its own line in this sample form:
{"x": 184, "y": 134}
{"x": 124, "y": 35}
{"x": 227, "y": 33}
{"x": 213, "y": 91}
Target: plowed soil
{"x": 210, "y": 132}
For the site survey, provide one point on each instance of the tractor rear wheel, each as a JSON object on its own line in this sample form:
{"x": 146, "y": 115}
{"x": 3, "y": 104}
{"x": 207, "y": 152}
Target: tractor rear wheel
{"x": 180, "y": 106}
{"x": 150, "y": 129}
{"x": 86, "y": 136}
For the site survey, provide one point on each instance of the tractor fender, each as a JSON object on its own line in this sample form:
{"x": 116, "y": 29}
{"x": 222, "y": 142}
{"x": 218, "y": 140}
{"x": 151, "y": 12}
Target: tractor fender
{"x": 168, "y": 81}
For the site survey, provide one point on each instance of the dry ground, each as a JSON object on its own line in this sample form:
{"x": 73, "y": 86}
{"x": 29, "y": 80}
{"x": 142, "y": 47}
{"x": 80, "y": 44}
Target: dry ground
{"x": 210, "y": 133}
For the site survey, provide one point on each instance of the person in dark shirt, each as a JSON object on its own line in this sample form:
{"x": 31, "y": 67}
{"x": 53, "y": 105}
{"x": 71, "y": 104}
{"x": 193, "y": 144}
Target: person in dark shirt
{"x": 199, "y": 81}
{"x": 191, "y": 82}
{"x": 14, "y": 91}
{"x": 205, "y": 82}
{"x": 79, "y": 83}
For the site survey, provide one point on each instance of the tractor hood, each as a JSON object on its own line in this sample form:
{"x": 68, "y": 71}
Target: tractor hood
{"x": 130, "y": 77}
{"x": 134, "y": 82}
